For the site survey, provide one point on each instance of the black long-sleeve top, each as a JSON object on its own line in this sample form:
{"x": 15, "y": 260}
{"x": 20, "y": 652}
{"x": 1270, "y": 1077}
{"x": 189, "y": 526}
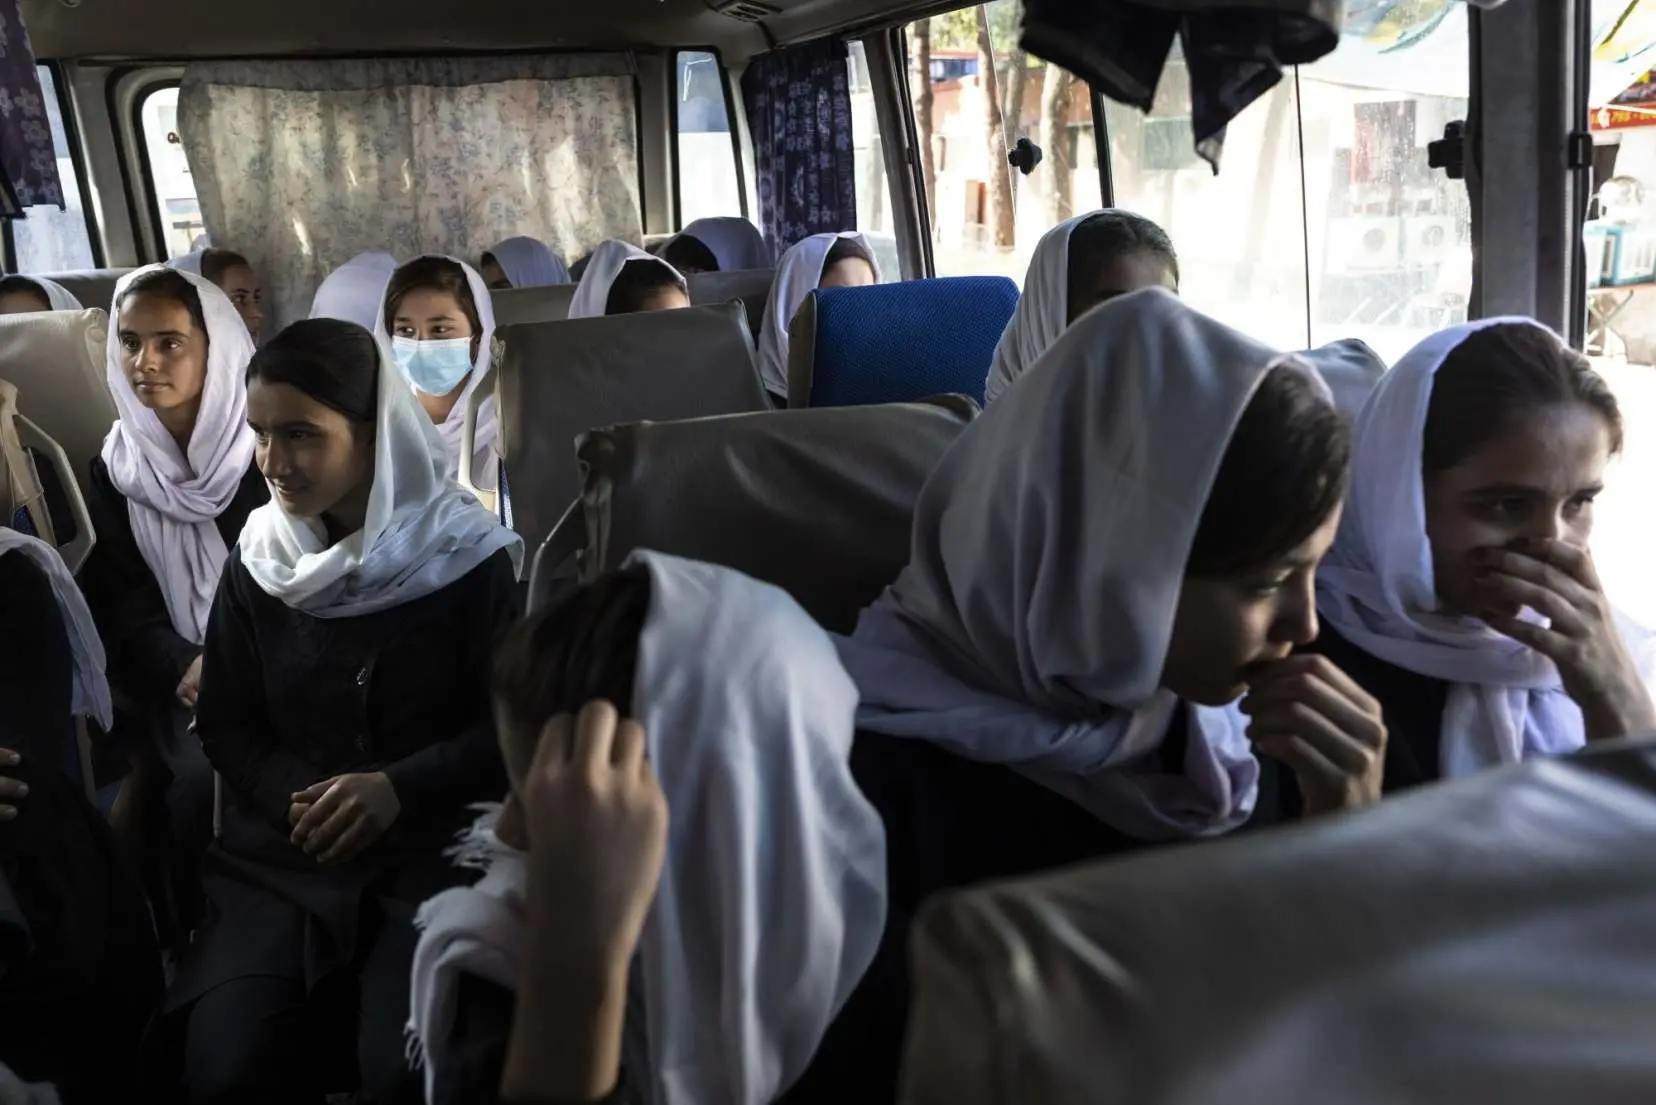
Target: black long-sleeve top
{"x": 146, "y": 656}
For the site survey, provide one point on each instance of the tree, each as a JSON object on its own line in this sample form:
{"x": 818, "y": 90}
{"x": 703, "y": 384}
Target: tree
{"x": 1055, "y": 99}
{"x": 1017, "y": 80}
{"x": 1002, "y": 216}
{"x": 921, "y": 88}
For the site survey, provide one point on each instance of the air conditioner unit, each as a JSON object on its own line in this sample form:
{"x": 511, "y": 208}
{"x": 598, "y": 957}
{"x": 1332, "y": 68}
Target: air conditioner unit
{"x": 1365, "y": 243}
{"x": 1428, "y": 239}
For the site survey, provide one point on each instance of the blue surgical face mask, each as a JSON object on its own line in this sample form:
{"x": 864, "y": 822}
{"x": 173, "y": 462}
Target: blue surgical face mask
{"x": 435, "y": 367}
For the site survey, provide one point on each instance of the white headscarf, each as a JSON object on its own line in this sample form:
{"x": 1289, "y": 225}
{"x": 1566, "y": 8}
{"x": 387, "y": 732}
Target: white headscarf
{"x": 91, "y": 688}
{"x": 58, "y": 298}
{"x": 1377, "y": 590}
{"x": 355, "y": 291}
{"x": 453, "y": 427}
{"x": 734, "y": 242}
{"x": 797, "y": 276}
{"x": 1350, "y": 369}
{"x": 592, "y": 294}
{"x": 191, "y": 261}
{"x": 1042, "y": 314}
{"x": 175, "y": 500}
{"x": 422, "y": 532}
{"x": 529, "y": 263}
{"x": 772, "y": 899}
{"x": 1032, "y": 623}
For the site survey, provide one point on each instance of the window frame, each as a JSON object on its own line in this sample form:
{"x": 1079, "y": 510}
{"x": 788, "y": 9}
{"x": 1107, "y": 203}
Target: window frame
{"x": 77, "y": 158}
{"x": 146, "y": 173}
{"x": 674, "y": 55}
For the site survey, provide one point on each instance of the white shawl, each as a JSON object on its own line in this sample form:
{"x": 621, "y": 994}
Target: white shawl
{"x": 772, "y": 899}
{"x": 1042, "y": 314}
{"x": 797, "y": 276}
{"x": 91, "y": 688}
{"x": 453, "y": 427}
{"x": 1376, "y": 588}
{"x": 529, "y": 263}
{"x": 422, "y": 532}
{"x": 612, "y": 255}
{"x": 355, "y": 290}
{"x": 58, "y": 298}
{"x": 1032, "y": 623}
{"x": 175, "y": 500}
{"x": 734, "y": 242}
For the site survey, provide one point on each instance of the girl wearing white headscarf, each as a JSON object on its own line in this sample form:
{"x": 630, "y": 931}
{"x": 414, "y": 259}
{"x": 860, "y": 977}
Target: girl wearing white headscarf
{"x": 523, "y": 262}
{"x": 732, "y": 241}
{"x": 772, "y": 898}
{"x": 355, "y": 290}
{"x": 621, "y": 279}
{"x": 1460, "y": 590}
{"x": 168, "y": 497}
{"x": 1104, "y": 562}
{"x": 844, "y": 260}
{"x": 344, "y": 695}
{"x": 27, "y": 294}
{"x": 1078, "y": 265}
{"x": 438, "y": 318}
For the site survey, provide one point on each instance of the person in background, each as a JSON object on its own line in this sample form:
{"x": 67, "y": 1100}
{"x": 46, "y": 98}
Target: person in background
{"x": 1077, "y": 265}
{"x": 234, "y": 276}
{"x": 844, "y": 260}
{"x": 355, "y": 290}
{"x": 688, "y": 255}
{"x": 80, "y": 974}
{"x": 168, "y": 497}
{"x": 522, "y": 262}
{"x": 723, "y": 244}
{"x": 1104, "y": 564}
{"x": 22, "y": 295}
{"x": 1461, "y": 591}
{"x": 622, "y": 279}
{"x": 345, "y": 703}
{"x": 726, "y": 692}
{"x": 438, "y": 319}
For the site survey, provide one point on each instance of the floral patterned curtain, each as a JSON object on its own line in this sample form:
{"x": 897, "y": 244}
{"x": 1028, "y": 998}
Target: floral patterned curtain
{"x": 26, "y": 152}
{"x": 303, "y": 165}
{"x": 799, "y": 113}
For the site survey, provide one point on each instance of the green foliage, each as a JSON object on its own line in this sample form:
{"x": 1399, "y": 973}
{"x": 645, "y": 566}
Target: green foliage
{"x": 957, "y": 30}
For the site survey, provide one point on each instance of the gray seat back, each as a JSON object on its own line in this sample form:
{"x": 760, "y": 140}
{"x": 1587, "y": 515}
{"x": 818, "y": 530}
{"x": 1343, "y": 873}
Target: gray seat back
{"x": 56, "y": 359}
{"x": 514, "y": 306}
{"x": 93, "y": 287}
{"x": 818, "y": 502}
{"x": 558, "y": 380}
{"x": 751, "y": 286}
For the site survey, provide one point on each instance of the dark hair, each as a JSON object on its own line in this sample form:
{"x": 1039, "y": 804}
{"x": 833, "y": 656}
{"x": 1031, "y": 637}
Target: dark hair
{"x": 1283, "y": 474}
{"x": 1098, "y": 241}
{"x": 687, "y": 253}
{"x": 165, "y": 283}
{"x": 332, "y": 361}
{"x": 1497, "y": 373}
{"x": 216, "y": 262}
{"x": 636, "y": 282}
{"x": 437, "y": 274}
{"x": 846, "y": 249}
{"x": 22, "y": 285}
{"x": 576, "y": 651}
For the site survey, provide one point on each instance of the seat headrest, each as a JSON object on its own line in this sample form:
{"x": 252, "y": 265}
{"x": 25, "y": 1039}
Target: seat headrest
{"x": 817, "y": 502}
{"x": 56, "y": 359}
{"x": 559, "y": 379}
{"x": 751, "y": 286}
{"x": 1487, "y": 939}
{"x": 93, "y": 287}
{"x": 515, "y": 306}
{"x": 895, "y": 343}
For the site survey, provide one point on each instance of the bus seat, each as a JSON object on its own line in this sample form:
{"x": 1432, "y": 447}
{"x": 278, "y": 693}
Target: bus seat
{"x": 556, "y": 380}
{"x": 817, "y": 502}
{"x": 895, "y": 343}
{"x": 56, "y": 359}
{"x": 93, "y": 287}
{"x": 516, "y": 306}
{"x": 38, "y": 488}
{"x": 751, "y": 286}
{"x": 1487, "y": 939}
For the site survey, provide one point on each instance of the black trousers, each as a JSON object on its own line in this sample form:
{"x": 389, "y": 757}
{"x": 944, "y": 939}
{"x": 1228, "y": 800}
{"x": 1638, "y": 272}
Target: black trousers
{"x": 262, "y": 1040}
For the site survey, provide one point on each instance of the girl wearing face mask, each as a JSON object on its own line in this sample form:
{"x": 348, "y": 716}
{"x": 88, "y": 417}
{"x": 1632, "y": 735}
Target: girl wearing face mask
{"x": 844, "y": 260}
{"x": 440, "y": 323}
{"x": 1104, "y": 563}
{"x": 345, "y": 705}
{"x": 1461, "y": 592}
{"x": 169, "y": 496}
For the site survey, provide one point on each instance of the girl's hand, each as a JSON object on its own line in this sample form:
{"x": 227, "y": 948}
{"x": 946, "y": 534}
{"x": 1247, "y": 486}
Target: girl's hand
{"x": 1315, "y": 719}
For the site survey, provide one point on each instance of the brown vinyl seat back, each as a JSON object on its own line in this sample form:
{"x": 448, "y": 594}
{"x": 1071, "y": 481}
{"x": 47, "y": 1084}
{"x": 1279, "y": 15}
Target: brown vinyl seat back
{"x": 557, "y": 380}
{"x": 818, "y": 502}
{"x": 1488, "y": 939}
{"x": 515, "y": 306}
{"x": 751, "y": 286}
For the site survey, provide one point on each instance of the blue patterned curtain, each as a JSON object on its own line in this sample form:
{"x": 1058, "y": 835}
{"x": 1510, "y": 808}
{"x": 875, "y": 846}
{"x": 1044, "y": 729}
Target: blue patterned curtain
{"x": 799, "y": 113}
{"x": 26, "y": 152}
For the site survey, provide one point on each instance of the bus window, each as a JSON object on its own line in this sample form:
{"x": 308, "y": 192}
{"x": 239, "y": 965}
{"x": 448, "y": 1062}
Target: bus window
{"x": 979, "y": 96}
{"x": 47, "y": 239}
{"x": 874, "y": 211}
{"x": 707, "y": 179}
{"x": 174, "y": 192}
